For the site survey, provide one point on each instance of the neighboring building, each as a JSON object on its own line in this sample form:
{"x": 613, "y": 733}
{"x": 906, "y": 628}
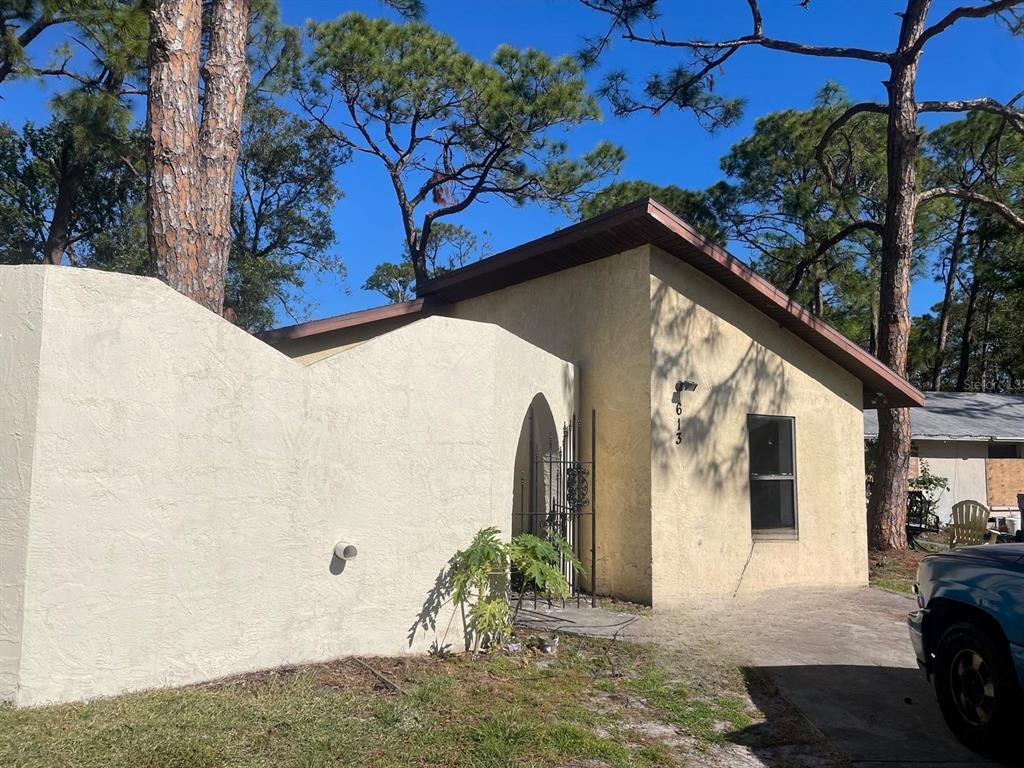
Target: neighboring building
{"x": 973, "y": 439}
{"x": 753, "y": 479}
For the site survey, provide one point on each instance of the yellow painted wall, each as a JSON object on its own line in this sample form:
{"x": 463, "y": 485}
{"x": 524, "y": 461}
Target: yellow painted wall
{"x": 596, "y": 315}
{"x": 744, "y": 363}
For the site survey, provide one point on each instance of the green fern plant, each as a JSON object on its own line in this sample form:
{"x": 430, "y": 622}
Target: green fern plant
{"x": 480, "y": 579}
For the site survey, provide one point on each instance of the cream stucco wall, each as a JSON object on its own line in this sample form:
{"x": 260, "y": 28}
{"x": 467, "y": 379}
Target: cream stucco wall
{"x": 190, "y": 482}
{"x": 597, "y": 316}
{"x": 21, "y": 299}
{"x": 962, "y": 463}
{"x": 744, "y": 363}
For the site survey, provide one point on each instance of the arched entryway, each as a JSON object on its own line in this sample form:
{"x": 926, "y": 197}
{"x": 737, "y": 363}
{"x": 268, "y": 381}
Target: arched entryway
{"x": 538, "y": 439}
{"x": 554, "y": 488}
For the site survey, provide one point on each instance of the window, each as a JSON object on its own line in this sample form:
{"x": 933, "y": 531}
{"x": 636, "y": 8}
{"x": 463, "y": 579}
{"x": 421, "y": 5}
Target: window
{"x": 1002, "y": 450}
{"x": 772, "y": 475}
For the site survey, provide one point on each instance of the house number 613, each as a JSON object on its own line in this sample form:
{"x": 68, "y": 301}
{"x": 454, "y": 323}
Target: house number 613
{"x": 677, "y": 398}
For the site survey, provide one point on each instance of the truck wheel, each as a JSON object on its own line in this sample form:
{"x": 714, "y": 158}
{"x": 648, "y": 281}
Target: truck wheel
{"x": 976, "y": 687}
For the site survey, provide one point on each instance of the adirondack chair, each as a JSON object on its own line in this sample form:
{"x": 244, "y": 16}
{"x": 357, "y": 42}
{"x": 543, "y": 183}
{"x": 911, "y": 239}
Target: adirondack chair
{"x": 969, "y": 525}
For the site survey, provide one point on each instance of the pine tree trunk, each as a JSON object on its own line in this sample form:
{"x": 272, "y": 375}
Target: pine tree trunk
{"x": 58, "y": 236}
{"x": 172, "y": 127}
{"x": 887, "y": 509}
{"x": 986, "y": 327}
{"x": 947, "y": 299}
{"x": 873, "y": 331}
{"x": 191, "y": 167}
{"x": 967, "y": 338}
{"x": 226, "y": 75}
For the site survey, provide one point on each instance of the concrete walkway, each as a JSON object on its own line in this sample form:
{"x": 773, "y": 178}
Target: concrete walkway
{"x": 842, "y": 657}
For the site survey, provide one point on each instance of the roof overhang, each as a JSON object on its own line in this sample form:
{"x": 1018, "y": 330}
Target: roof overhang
{"x": 648, "y": 221}
{"x": 341, "y": 322}
{"x": 643, "y": 222}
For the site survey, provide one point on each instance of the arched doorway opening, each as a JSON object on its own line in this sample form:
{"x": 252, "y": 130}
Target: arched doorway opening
{"x": 538, "y": 439}
{"x": 553, "y": 490}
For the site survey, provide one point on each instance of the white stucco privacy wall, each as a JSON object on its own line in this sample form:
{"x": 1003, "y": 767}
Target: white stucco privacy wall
{"x": 188, "y": 483}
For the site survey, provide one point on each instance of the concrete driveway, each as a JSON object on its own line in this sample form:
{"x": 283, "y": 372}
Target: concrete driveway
{"x": 842, "y": 658}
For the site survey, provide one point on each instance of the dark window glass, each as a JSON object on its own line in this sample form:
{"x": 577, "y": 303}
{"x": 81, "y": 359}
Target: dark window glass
{"x": 772, "y": 473}
{"x": 1002, "y": 450}
{"x": 771, "y": 446}
{"x": 771, "y": 504}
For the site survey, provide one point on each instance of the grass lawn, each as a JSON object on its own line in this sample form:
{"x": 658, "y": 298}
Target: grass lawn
{"x": 594, "y": 703}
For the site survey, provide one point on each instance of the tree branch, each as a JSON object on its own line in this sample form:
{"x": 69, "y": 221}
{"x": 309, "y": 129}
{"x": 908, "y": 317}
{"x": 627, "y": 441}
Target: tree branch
{"x": 839, "y": 122}
{"x": 845, "y": 232}
{"x": 756, "y": 37}
{"x": 975, "y": 197}
{"x": 29, "y": 34}
{"x": 984, "y": 104}
{"x": 963, "y": 12}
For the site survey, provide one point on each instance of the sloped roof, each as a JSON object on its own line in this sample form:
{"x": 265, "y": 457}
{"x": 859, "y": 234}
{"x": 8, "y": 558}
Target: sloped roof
{"x": 963, "y": 416}
{"x": 643, "y": 222}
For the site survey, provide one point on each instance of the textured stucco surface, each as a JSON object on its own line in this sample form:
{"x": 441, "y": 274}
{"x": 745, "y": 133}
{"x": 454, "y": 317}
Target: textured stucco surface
{"x": 597, "y": 316}
{"x": 21, "y": 295}
{"x": 743, "y": 363}
{"x": 191, "y": 482}
{"x": 962, "y": 463}
{"x": 674, "y": 520}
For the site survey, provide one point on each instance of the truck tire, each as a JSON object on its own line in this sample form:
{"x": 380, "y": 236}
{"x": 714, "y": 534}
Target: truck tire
{"x": 977, "y": 687}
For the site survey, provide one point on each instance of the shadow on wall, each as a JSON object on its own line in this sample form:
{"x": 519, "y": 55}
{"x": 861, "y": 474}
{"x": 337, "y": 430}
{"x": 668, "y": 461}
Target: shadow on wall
{"x": 539, "y": 424}
{"x": 756, "y": 384}
{"x": 438, "y": 597}
{"x": 869, "y": 714}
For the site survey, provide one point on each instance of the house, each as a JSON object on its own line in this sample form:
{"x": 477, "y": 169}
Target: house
{"x": 182, "y": 500}
{"x": 973, "y": 439}
{"x": 729, "y": 419}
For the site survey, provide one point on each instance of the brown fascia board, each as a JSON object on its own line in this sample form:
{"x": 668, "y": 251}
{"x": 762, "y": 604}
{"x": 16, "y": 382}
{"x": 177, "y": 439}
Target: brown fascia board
{"x": 340, "y": 322}
{"x": 640, "y": 223}
{"x": 648, "y": 221}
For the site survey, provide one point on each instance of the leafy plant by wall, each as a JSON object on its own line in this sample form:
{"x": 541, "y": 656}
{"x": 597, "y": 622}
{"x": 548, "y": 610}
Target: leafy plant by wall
{"x": 481, "y": 579}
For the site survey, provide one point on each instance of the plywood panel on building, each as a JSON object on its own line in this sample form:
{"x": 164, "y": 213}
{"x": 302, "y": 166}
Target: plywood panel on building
{"x": 1005, "y": 480}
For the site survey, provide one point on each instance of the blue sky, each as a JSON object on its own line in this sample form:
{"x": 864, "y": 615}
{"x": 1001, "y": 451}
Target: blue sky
{"x": 975, "y": 58}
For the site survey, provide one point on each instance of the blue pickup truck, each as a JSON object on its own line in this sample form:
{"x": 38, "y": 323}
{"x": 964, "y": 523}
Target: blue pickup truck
{"x": 968, "y": 633}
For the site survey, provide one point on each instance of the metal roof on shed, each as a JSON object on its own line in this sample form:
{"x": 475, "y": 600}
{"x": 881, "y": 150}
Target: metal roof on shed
{"x": 962, "y": 416}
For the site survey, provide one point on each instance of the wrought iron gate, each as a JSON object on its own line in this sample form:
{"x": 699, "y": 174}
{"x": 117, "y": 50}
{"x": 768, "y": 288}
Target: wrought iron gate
{"x": 558, "y": 496}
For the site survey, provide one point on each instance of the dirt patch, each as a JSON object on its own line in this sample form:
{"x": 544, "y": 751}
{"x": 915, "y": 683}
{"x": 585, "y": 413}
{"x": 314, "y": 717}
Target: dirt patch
{"x": 894, "y": 570}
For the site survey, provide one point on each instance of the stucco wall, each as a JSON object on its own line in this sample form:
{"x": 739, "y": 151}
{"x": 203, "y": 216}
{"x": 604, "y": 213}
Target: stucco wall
{"x": 596, "y": 315}
{"x": 21, "y": 296}
{"x": 962, "y": 463}
{"x": 190, "y": 483}
{"x": 742, "y": 364}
